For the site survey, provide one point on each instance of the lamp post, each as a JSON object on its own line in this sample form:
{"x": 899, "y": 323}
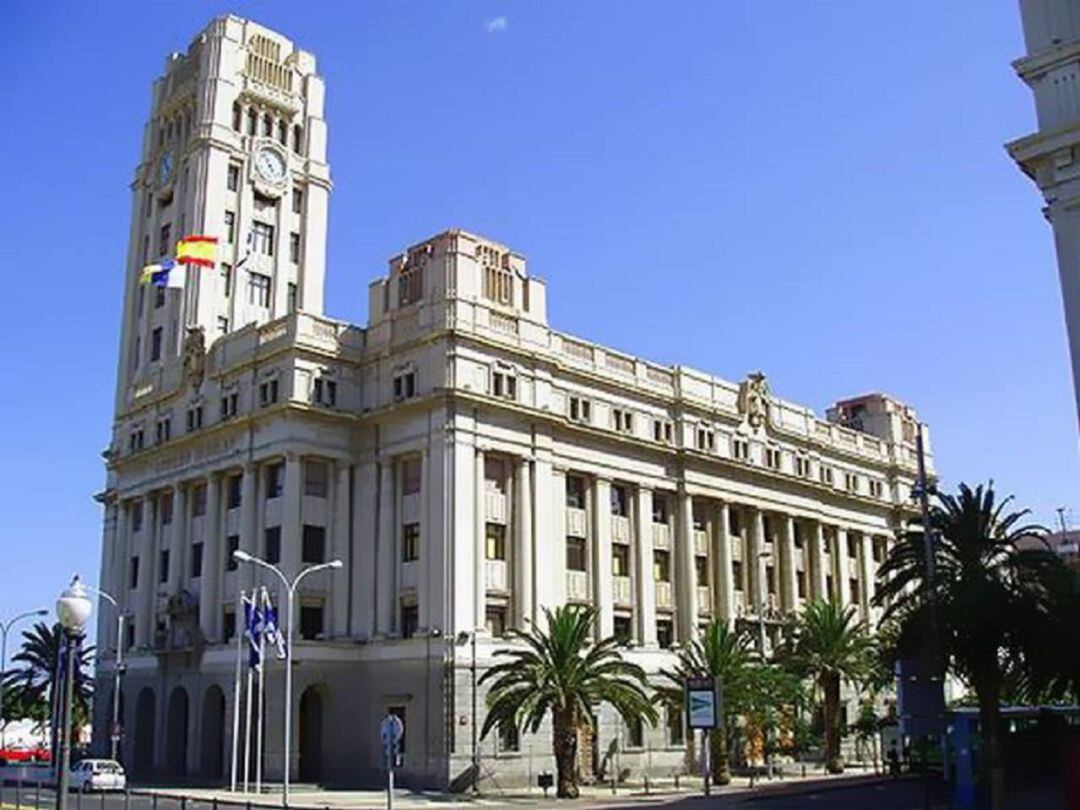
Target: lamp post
{"x": 73, "y": 609}
{"x": 290, "y": 590}
{"x": 118, "y": 670}
{"x": 4, "y": 628}
{"x": 764, "y": 556}
{"x": 470, "y": 637}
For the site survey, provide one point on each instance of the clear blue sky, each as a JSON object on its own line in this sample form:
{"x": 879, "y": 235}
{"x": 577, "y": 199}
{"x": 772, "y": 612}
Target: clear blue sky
{"x": 818, "y": 190}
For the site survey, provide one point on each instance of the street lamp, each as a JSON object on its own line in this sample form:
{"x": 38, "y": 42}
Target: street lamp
{"x": 290, "y": 589}
{"x": 118, "y": 669}
{"x": 73, "y": 609}
{"x": 4, "y": 628}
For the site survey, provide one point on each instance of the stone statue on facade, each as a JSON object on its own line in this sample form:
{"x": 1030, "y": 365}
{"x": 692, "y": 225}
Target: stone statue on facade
{"x": 754, "y": 399}
{"x": 194, "y": 356}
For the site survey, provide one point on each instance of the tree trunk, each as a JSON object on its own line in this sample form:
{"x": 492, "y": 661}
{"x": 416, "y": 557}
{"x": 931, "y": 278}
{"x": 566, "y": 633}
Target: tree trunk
{"x": 990, "y": 718}
{"x": 564, "y": 739}
{"x": 830, "y": 688}
{"x": 718, "y": 753}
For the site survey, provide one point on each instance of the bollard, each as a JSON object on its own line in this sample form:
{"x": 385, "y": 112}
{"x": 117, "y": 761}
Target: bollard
{"x": 18, "y": 792}
{"x": 676, "y": 781}
{"x": 646, "y": 784}
{"x": 804, "y": 770}
{"x": 153, "y": 800}
{"x": 127, "y": 798}
{"x": 78, "y": 800}
{"x": 37, "y": 794}
{"x": 213, "y": 803}
{"x": 102, "y": 795}
{"x": 183, "y": 803}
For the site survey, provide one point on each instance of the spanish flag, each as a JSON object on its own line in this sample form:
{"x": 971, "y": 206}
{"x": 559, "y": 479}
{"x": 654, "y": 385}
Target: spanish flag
{"x": 198, "y": 250}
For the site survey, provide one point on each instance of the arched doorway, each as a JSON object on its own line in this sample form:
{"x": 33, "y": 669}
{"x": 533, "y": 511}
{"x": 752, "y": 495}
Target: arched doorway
{"x": 145, "y": 709}
{"x": 176, "y": 733}
{"x": 212, "y": 734}
{"x": 311, "y": 734}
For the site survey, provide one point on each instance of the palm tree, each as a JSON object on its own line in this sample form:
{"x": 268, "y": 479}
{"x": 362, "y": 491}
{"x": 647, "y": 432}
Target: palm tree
{"x": 562, "y": 672}
{"x": 768, "y": 692}
{"x": 986, "y": 597}
{"x": 33, "y": 684}
{"x": 831, "y": 647}
{"x": 721, "y": 654}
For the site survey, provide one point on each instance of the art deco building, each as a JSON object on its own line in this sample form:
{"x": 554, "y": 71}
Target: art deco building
{"x": 469, "y": 464}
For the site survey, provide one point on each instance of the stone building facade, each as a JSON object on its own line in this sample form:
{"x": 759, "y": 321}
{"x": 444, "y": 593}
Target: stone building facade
{"x": 468, "y": 464}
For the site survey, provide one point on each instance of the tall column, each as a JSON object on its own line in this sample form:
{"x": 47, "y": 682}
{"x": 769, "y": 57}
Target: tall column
{"x": 866, "y": 575}
{"x": 245, "y": 575}
{"x": 479, "y": 544}
{"x": 545, "y": 540}
{"x": 148, "y": 568}
{"x": 558, "y": 512}
{"x": 789, "y": 585}
{"x": 386, "y": 563}
{"x": 213, "y": 562}
{"x": 645, "y": 598}
{"x": 523, "y": 556}
{"x": 819, "y": 586}
{"x": 363, "y": 561}
{"x": 177, "y": 539}
{"x": 339, "y": 550}
{"x": 755, "y": 565}
{"x": 122, "y": 578}
{"x": 686, "y": 578}
{"x": 725, "y": 570}
{"x": 423, "y": 595}
{"x": 842, "y": 567}
{"x": 603, "y": 590}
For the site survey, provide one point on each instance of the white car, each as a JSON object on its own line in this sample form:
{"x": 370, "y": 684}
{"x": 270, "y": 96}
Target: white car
{"x": 98, "y": 774}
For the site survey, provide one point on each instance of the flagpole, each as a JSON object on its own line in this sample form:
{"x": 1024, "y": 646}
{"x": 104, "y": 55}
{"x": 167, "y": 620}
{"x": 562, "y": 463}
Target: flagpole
{"x": 236, "y": 692}
{"x": 262, "y": 700}
{"x": 247, "y": 735}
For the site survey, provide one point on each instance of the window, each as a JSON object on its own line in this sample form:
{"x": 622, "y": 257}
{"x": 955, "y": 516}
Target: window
{"x": 575, "y": 492}
{"x": 699, "y": 515}
{"x": 237, "y": 116}
{"x": 706, "y": 439}
{"x": 410, "y": 476}
{"x": 879, "y": 549}
{"x": 495, "y": 541}
{"x": 495, "y": 620}
{"x": 155, "y": 344}
{"x": 851, "y": 543}
{"x": 262, "y": 238}
{"x": 297, "y": 143}
{"x": 232, "y": 181}
{"x": 622, "y": 420}
{"x": 663, "y": 431}
{"x": 194, "y": 418}
{"x": 796, "y": 534}
{"x": 316, "y": 479}
{"x": 164, "y": 430}
{"x": 829, "y": 592}
{"x": 159, "y": 297}
{"x": 509, "y": 738}
{"x": 826, "y": 475}
{"x": 661, "y": 565}
{"x": 283, "y": 133}
{"x": 736, "y": 574}
{"x": 290, "y": 298}
{"x": 228, "y": 405}
{"x": 164, "y": 245}
{"x": 635, "y": 733}
{"x": 701, "y": 571}
{"x": 499, "y": 285}
{"x": 623, "y": 629}
{"x": 620, "y": 500}
{"x": 876, "y": 489}
{"x": 851, "y": 482}
{"x": 410, "y": 284}
{"x": 772, "y": 458}
{"x": 297, "y": 200}
{"x": 800, "y": 583}
{"x": 136, "y": 516}
{"x": 165, "y": 504}
{"x": 580, "y": 410}
{"x": 133, "y": 580}
{"x": 410, "y": 542}
{"x": 136, "y": 440}
{"x": 268, "y": 392}
{"x": 324, "y": 392}
{"x": 252, "y": 119}
{"x": 674, "y": 724}
{"x": 770, "y": 579}
{"x": 802, "y": 466}
{"x": 740, "y": 449}
{"x": 268, "y": 125}
{"x": 665, "y": 636}
{"x": 294, "y": 247}
{"x": 198, "y": 500}
{"x": 228, "y": 624}
{"x": 230, "y": 227}
{"x": 226, "y": 279}
{"x": 222, "y": 325}
{"x": 233, "y": 485}
{"x": 232, "y": 543}
{"x": 272, "y": 544}
{"x": 659, "y": 508}
{"x": 311, "y": 621}
{"x": 404, "y": 385}
{"x": 504, "y": 384}
{"x": 853, "y": 584}
{"x": 575, "y": 554}
{"x": 313, "y": 546}
{"x": 734, "y": 522}
{"x": 163, "y": 567}
{"x": 259, "y": 289}
{"x": 410, "y": 620}
{"x": 196, "y": 560}
{"x": 275, "y": 480}
{"x": 620, "y": 560}
{"x": 129, "y": 633}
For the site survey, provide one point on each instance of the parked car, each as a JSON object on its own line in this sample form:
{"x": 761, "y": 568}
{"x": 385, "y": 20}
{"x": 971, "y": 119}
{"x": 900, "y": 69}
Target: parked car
{"x": 97, "y": 774}
{"x": 20, "y": 754}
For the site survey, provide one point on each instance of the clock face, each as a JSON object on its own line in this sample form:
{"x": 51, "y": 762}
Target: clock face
{"x": 165, "y": 167}
{"x": 270, "y": 165}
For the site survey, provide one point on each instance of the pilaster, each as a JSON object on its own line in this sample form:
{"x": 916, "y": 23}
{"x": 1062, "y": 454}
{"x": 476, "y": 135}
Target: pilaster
{"x": 603, "y": 592}
{"x": 645, "y": 601}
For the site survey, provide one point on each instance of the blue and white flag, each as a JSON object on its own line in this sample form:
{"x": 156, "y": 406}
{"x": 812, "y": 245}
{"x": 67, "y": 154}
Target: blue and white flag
{"x": 271, "y": 629}
{"x": 253, "y": 628}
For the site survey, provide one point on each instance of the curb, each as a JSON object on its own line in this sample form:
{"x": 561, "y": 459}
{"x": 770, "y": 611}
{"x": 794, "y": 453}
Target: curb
{"x": 823, "y": 785}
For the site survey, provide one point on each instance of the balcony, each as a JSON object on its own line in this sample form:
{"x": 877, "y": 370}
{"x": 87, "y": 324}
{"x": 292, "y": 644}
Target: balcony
{"x": 494, "y": 506}
{"x": 622, "y": 591}
{"x": 576, "y": 522}
{"x": 577, "y": 586}
{"x": 495, "y": 575}
{"x": 701, "y": 543}
{"x": 663, "y": 595}
{"x": 704, "y": 599}
{"x": 661, "y": 535}
{"x": 620, "y": 528}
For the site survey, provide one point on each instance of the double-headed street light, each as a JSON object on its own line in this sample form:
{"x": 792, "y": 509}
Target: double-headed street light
{"x": 118, "y": 669}
{"x": 290, "y": 589}
{"x": 4, "y": 628}
{"x": 73, "y": 609}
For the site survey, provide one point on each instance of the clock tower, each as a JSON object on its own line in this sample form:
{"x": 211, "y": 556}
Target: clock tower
{"x": 234, "y": 148}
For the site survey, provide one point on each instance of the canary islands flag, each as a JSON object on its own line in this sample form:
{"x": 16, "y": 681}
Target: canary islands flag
{"x": 198, "y": 250}
{"x": 163, "y": 274}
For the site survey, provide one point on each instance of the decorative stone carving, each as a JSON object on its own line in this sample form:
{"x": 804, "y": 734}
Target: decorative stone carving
{"x": 754, "y": 399}
{"x": 195, "y": 357}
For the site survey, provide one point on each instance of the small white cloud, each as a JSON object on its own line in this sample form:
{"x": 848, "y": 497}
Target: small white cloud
{"x": 496, "y": 24}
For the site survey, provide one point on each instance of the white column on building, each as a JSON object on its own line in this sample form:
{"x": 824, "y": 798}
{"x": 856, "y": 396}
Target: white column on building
{"x": 245, "y": 575}
{"x": 558, "y": 544}
{"x": 603, "y": 590}
{"x": 339, "y": 548}
{"x": 724, "y": 569}
{"x": 178, "y": 537}
{"x": 291, "y": 532}
{"x": 148, "y": 566}
{"x": 480, "y": 544}
{"x": 122, "y": 581}
{"x": 545, "y": 541}
{"x": 363, "y": 562}
{"x": 842, "y": 566}
{"x": 523, "y": 553}
{"x": 686, "y": 576}
{"x": 819, "y": 584}
{"x": 789, "y": 585}
{"x": 213, "y": 562}
{"x": 755, "y": 566}
{"x": 645, "y": 597}
{"x": 424, "y": 561}
{"x": 386, "y": 563}
{"x": 462, "y": 483}
{"x": 866, "y": 574}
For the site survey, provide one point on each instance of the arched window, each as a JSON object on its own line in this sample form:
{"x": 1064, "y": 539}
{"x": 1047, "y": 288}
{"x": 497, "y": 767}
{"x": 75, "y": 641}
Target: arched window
{"x": 253, "y": 121}
{"x": 268, "y": 125}
{"x": 283, "y": 133}
{"x": 297, "y": 138}
{"x": 237, "y": 116}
